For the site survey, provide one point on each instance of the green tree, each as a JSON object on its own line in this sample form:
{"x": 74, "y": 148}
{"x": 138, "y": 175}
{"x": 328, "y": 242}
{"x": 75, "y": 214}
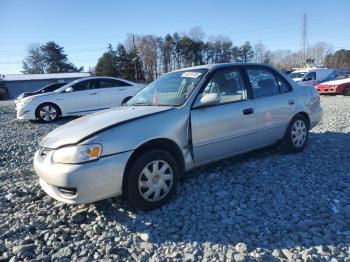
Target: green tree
{"x": 107, "y": 63}
{"x": 247, "y": 52}
{"x": 166, "y": 53}
{"x": 47, "y": 58}
{"x": 56, "y": 60}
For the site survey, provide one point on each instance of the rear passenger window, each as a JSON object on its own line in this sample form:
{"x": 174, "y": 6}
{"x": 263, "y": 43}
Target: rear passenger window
{"x": 263, "y": 82}
{"x": 284, "y": 86}
{"x": 106, "y": 83}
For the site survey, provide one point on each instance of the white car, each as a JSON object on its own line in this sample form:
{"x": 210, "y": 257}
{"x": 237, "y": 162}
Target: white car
{"x": 80, "y": 97}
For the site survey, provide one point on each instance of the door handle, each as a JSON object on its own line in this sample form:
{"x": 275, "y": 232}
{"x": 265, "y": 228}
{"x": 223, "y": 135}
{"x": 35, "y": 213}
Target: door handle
{"x": 291, "y": 102}
{"x": 248, "y": 111}
{"x": 121, "y": 89}
{"x": 91, "y": 94}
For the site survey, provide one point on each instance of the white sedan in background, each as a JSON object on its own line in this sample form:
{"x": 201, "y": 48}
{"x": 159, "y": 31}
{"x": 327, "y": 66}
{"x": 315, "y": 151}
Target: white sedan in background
{"x": 80, "y": 97}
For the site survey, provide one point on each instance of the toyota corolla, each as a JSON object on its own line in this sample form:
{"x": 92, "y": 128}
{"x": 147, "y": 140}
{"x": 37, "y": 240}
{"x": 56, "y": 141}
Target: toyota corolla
{"x": 184, "y": 119}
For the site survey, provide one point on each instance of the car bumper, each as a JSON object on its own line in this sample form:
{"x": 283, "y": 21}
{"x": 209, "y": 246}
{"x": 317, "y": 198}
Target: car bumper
{"x": 81, "y": 183}
{"x": 25, "y": 112}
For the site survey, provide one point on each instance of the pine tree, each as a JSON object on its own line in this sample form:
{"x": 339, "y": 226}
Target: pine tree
{"x": 47, "y": 58}
{"x": 56, "y": 60}
{"x": 107, "y": 63}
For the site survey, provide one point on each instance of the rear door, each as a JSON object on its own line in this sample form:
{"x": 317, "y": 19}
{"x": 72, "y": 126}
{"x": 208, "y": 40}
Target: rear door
{"x": 274, "y": 103}
{"x": 228, "y": 127}
{"x": 83, "y": 99}
{"x": 113, "y": 92}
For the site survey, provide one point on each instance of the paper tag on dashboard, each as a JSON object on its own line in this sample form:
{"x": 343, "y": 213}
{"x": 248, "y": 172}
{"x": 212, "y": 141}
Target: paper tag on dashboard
{"x": 191, "y": 74}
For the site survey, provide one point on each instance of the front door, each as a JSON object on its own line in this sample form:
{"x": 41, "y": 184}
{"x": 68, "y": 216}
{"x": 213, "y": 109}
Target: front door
{"x": 83, "y": 99}
{"x": 228, "y": 127}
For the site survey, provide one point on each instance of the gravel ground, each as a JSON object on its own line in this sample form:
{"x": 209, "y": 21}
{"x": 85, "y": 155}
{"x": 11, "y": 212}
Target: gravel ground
{"x": 264, "y": 206}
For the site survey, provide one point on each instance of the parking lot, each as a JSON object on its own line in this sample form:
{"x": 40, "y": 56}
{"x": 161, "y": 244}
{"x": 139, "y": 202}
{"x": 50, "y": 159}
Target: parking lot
{"x": 264, "y": 205}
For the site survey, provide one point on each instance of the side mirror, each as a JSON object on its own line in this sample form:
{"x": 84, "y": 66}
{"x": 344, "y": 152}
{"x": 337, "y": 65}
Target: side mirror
{"x": 68, "y": 89}
{"x": 208, "y": 100}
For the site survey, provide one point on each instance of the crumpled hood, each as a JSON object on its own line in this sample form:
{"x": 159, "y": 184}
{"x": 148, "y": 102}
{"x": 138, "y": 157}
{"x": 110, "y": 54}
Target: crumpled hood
{"x": 77, "y": 130}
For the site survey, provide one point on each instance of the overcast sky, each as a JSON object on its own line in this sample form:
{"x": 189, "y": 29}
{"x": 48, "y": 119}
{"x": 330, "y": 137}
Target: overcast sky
{"x": 84, "y": 28}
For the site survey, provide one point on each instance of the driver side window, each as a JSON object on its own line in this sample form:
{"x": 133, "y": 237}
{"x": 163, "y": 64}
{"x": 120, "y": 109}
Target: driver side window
{"x": 84, "y": 85}
{"x": 229, "y": 86}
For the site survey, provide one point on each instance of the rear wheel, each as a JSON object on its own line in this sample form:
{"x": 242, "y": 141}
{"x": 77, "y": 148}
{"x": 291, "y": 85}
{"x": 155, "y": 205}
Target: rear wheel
{"x": 47, "y": 112}
{"x": 297, "y": 135}
{"x": 151, "y": 180}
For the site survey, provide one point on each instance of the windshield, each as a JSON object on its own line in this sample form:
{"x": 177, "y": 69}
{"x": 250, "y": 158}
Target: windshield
{"x": 51, "y": 88}
{"x": 62, "y": 88}
{"x": 172, "y": 89}
{"x": 297, "y": 74}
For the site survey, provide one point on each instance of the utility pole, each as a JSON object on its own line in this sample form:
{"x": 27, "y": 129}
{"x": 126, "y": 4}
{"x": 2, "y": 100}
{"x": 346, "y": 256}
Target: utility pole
{"x": 304, "y": 36}
{"x": 135, "y": 60}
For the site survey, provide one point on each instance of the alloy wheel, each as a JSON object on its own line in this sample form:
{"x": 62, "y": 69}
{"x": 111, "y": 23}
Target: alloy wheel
{"x": 48, "y": 113}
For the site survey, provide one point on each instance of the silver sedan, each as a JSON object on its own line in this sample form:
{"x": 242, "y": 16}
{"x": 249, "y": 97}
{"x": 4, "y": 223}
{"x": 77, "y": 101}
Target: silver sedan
{"x": 184, "y": 119}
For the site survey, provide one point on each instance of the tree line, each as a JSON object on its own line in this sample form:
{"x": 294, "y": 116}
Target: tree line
{"x": 143, "y": 58}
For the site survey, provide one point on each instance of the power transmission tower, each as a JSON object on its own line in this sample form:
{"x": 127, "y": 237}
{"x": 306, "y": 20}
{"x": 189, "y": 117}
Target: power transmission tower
{"x": 304, "y": 36}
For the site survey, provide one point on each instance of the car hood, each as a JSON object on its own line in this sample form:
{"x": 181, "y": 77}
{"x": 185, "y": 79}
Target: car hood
{"x": 34, "y": 95}
{"x": 78, "y": 130}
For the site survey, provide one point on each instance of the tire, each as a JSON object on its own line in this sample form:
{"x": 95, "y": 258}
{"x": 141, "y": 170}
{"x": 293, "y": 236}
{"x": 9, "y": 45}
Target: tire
{"x": 126, "y": 99}
{"x": 47, "y": 112}
{"x": 347, "y": 91}
{"x": 143, "y": 185}
{"x": 297, "y": 135}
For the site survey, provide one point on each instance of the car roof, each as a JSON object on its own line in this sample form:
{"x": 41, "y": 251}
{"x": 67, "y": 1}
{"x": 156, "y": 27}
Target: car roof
{"x": 104, "y": 77}
{"x": 222, "y": 65}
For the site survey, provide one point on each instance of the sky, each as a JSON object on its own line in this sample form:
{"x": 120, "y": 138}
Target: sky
{"x": 84, "y": 28}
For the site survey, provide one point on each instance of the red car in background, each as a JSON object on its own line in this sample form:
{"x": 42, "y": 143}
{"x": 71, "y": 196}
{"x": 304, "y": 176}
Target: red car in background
{"x": 340, "y": 86}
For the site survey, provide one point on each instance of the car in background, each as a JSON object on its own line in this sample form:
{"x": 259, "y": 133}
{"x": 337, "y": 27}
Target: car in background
{"x": 45, "y": 89}
{"x": 339, "y": 86}
{"x": 298, "y": 75}
{"x": 80, "y": 97}
{"x": 312, "y": 76}
{"x": 184, "y": 119}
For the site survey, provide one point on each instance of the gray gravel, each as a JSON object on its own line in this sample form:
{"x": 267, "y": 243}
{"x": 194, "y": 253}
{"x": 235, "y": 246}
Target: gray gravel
{"x": 264, "y": 206}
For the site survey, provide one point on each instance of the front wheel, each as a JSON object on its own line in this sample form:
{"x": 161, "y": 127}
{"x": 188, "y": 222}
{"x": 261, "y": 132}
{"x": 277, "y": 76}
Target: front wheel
{"x": 297, "y": 135}
{"x": 151, "y": 180}
{"x": 47, "y": 112}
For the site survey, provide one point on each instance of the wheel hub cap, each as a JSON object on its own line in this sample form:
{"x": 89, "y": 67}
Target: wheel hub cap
{"x": 299, "y": 133}
{"x": 48, "y": 113}
{"x": 155, "y": 180}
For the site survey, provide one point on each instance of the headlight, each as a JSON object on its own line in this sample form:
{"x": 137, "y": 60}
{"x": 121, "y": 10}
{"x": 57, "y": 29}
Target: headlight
{"x": 25, "y": 101}
{"x": 77, "y": 154}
